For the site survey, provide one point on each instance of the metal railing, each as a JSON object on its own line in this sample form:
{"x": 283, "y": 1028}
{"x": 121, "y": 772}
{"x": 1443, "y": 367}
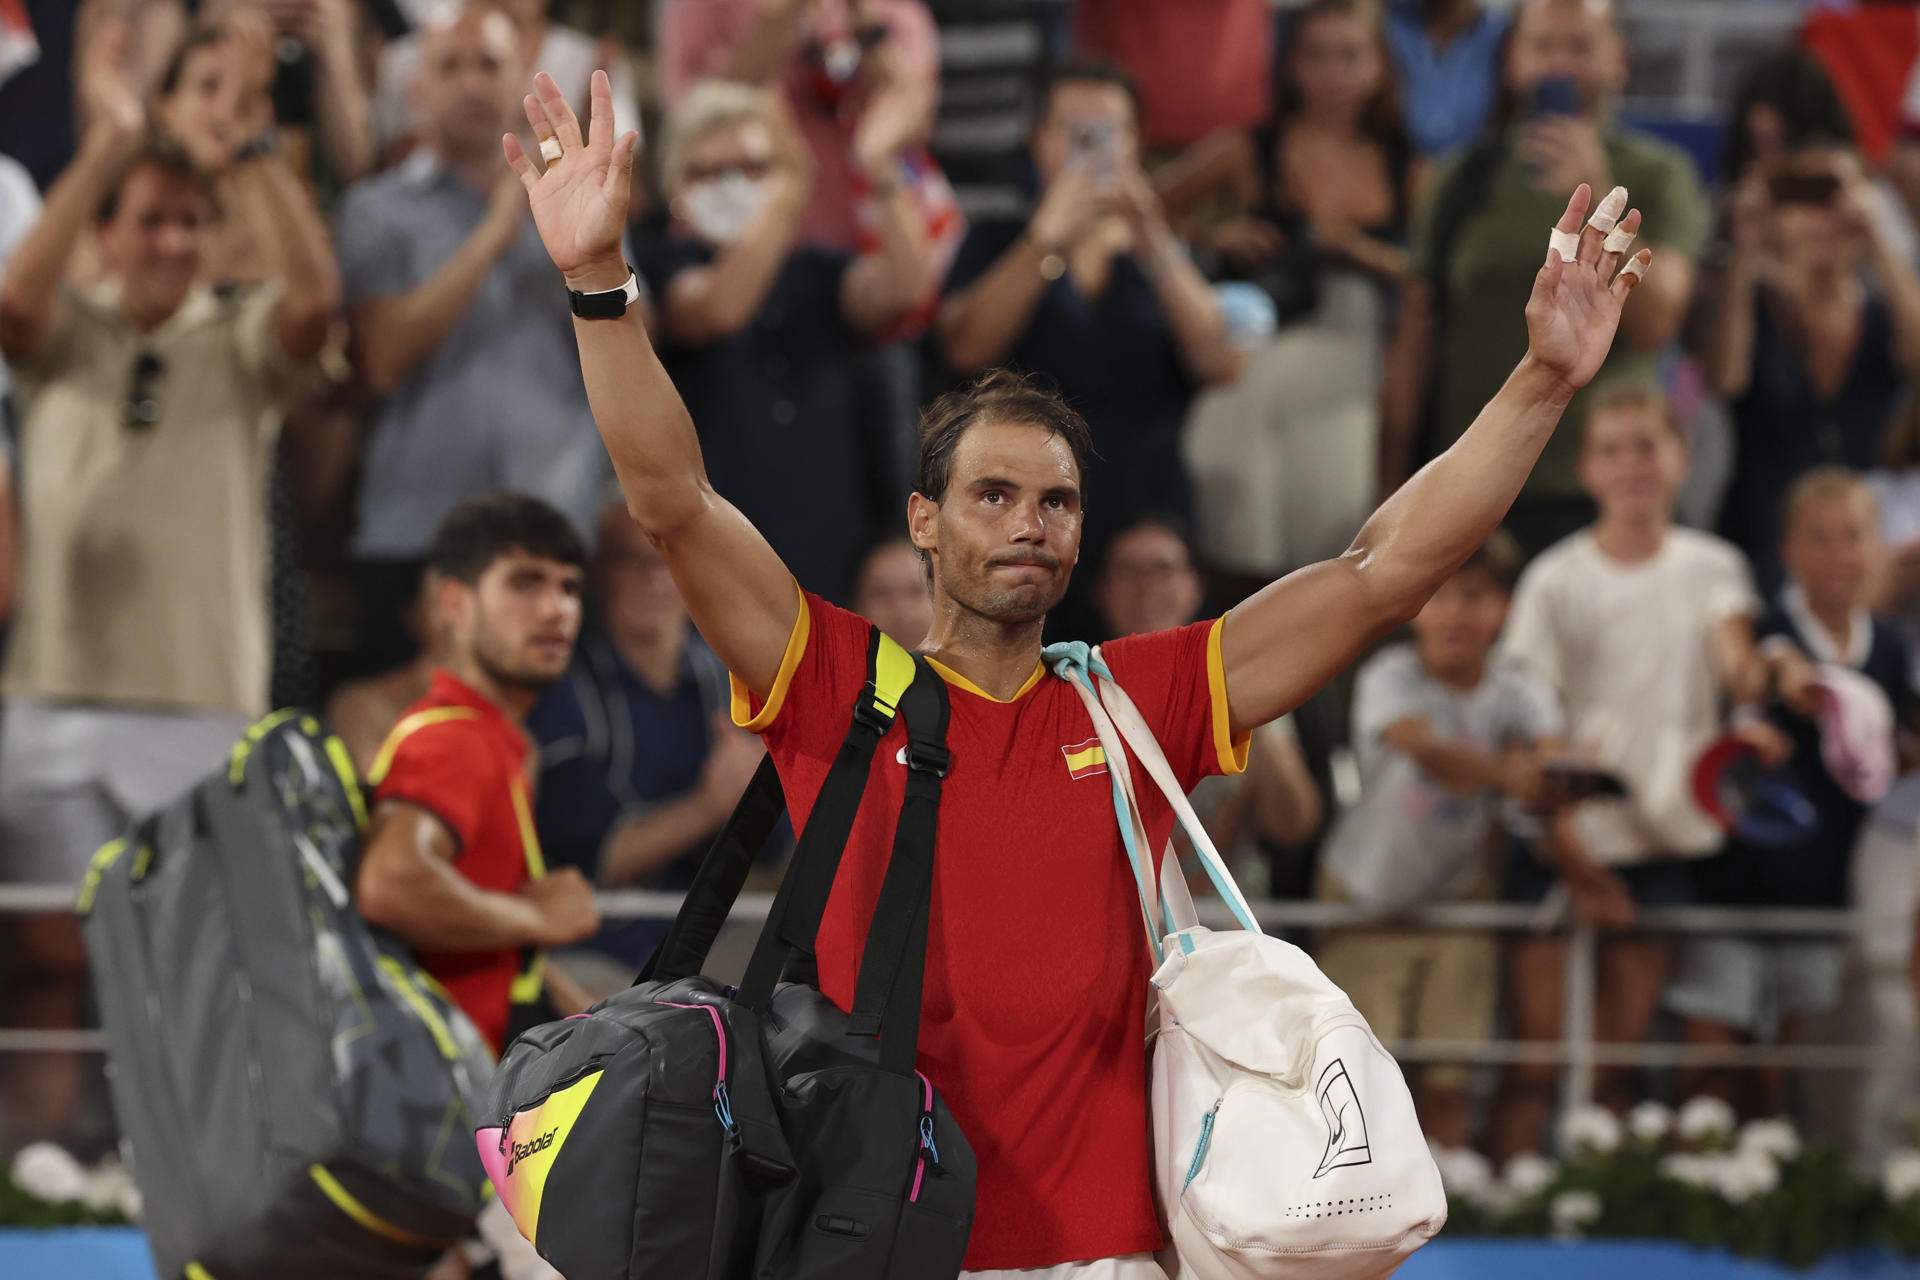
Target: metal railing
{"x": 1577, "y": 1049}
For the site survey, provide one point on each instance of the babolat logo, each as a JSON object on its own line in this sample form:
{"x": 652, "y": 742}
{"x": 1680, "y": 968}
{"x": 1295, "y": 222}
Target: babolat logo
{"x": 521, "y": 1150}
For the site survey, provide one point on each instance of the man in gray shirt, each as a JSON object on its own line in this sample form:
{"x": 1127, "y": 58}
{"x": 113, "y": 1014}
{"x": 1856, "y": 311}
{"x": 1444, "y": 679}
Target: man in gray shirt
{"x": 458, "y": 328}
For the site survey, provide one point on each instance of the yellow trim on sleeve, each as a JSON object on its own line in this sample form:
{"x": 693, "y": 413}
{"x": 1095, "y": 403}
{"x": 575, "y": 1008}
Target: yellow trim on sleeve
{"x": 743, "y": 715}
{"x": 959, "y": 681}
{"x": 1232, "y": 750}
{"x": 405, "y": 729}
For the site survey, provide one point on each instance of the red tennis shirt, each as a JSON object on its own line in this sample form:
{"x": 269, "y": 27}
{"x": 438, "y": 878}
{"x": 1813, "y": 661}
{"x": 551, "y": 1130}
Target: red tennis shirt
{"x": 459, "y": 757}
{"x": 1036, "y": 977}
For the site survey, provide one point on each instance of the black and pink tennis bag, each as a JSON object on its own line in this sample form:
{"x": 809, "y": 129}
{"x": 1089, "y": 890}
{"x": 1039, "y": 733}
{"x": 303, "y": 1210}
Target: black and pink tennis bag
{"x": 682, "y": 1130}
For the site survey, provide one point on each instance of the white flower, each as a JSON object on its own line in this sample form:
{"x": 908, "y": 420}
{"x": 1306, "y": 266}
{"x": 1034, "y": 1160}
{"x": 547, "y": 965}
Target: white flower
{"x": 1465, "y": 1173}
{"x": 1574, "y": 1211}
{"x": 1589, "y": 1131}
{"x": 1704, "y": 1118}
{"x": 108, "y": 1186}
{"x": 1776, "y": 1139}
{"x": 48, "y": 1172}
{"x": 1649, "y": 1122}
{"x": 1690, "y": 1170}
{"x": 1528, "y": 1174}
{"x": 1900, "y": 1176}
{"x": 1742, "y": 1176}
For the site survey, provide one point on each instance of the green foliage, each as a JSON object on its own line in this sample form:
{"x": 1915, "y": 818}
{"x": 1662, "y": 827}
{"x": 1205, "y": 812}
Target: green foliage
{"x": 21, "y": 1208}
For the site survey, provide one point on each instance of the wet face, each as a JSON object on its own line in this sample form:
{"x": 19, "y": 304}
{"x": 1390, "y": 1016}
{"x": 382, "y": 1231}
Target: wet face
{"x": 1832, "y": 547}
{"x": 1336, "y": 64}
{"x": 1568, "y": 40}
{"x": 1461, "y": 623}
{"x": 1005, "y": 536}
{"x": 152, "y": 244}
{"x": 1632, "y": 463}
{"x": 637, "y": 593}
{"x": 469, "y": 84}
{"x": 892, "y": 593}
{"x": 1088, "y": 122}
{"x": 222, "y": 99}
{"x": 1147, "y": 582}
{"x": 519, "y": 621}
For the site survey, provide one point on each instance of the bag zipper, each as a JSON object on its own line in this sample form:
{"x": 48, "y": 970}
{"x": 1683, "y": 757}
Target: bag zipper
{"x": 1200, "y": 1147}
{"x": 929, "y": 1152}
{"x": 722, "y": 1093}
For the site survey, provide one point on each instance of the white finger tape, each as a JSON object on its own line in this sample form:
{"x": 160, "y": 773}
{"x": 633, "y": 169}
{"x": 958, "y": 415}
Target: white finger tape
{"x": 1564, "y": 243}
{"x": 550, "y": 150}
{"x": 1608, "y": 214}
{"x": 1618, "y": 240}
{"x": 1637, "y": 268}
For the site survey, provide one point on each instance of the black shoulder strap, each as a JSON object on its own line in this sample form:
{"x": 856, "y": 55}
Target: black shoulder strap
{"x": 896, "y": 940}
{"x": 794, "y": 922}
{"x": 683, "y": 952}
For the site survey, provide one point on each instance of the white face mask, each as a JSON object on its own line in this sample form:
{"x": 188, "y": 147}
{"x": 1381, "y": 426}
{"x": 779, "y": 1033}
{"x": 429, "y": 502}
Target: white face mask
{"x": 721, "y": 209}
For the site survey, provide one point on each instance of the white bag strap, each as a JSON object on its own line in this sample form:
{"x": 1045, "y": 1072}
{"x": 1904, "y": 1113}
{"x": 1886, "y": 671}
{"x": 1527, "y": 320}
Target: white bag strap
{"x": 1072, "y": 665}
{"x": 1133, "y": 728}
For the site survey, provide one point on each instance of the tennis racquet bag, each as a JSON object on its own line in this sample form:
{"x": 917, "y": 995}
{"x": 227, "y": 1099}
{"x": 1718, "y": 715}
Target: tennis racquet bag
{"x": 685, "y": 1130}
{"x": 295, "y": 1091}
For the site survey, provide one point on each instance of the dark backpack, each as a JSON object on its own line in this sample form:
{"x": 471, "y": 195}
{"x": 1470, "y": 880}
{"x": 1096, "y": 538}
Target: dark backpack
{"x": 681, "y": 1130}
{"x": 292, "y": 1086}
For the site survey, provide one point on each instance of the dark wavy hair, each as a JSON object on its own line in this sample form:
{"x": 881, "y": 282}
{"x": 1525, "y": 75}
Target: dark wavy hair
{"x": 482, "y": 529}
{"x": 998, "y": 395}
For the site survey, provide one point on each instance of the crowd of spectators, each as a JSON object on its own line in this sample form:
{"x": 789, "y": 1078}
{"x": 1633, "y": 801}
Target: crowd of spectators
{"x": 273, "y": 306}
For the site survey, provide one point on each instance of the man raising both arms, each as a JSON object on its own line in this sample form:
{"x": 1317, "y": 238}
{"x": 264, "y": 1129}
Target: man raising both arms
{"x": 1035, "y": 973}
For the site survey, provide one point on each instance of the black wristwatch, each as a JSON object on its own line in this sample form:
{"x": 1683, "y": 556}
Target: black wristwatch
{"x": 608, "y": 304}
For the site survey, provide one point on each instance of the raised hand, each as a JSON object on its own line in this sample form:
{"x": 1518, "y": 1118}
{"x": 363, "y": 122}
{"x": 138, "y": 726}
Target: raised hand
{"x": 1575, "y": 308}
{"x": 580, "y": 201}
{"x": 112, "y": 103}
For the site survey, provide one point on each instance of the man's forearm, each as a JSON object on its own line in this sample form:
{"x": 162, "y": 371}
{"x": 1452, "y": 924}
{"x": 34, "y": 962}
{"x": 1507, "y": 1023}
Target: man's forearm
{"x": 893, "y": 280}
{"x": 429, "y": 905}
{"x": 279, "y": 213}
{"x": 1429, "y": 527}
{"x": 394, "y": 336}
{"x": 345, "y": 114}
{"x": 732, "y": 289}
{"x": 648, "y": 843}
{"x": 39, "y": 263}
{"x": 1193, "y": 313}
{"x": 987, "y": 319}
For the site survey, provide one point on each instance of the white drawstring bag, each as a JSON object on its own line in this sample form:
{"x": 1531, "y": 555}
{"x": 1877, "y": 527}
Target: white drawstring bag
{"x": 1285, "y": 1141}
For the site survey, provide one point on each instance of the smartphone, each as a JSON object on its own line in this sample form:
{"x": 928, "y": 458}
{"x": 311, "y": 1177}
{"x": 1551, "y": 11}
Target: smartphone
{"x": 1559, "y": 96}
{"x": 1803, "y": 186}
{"x": 1094, "y": 145}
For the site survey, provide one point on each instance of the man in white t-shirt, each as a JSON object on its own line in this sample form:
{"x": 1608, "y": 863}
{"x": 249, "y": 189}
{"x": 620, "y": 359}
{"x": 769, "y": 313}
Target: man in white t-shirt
{"x": 1645, "y": 631}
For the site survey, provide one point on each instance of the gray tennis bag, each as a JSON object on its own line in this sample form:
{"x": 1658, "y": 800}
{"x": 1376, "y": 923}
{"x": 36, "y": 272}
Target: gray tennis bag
{"x": 297, "y": 1094}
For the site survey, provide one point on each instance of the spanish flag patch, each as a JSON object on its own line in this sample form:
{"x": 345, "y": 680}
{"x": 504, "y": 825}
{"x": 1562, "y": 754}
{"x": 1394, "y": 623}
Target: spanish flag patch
{"x": 1085, "y": 759}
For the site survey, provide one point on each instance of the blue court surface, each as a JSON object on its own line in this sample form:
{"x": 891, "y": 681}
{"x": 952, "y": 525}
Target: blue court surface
{"x": 100, "y": 1254}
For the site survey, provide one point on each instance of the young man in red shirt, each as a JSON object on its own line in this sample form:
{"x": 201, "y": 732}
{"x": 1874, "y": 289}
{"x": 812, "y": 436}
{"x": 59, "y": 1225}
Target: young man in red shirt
{"x": 452, "y": 865}
{"x": 1035, "y": 970}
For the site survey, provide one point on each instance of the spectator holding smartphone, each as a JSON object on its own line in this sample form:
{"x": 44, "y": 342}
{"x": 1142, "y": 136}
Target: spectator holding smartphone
{"x": 1447, "y": 735}
{"x": 1095, "y": 293}
{"x": 1731, "y": 989}
{"x": 1643, "y": 631}
{"x": 1459, "y": 325}
{"x": 1813, "y": 333}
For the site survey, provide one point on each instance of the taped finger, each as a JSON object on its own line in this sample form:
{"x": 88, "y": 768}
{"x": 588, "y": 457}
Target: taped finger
{"x": 1564, "y": 243}
{"x": 1607, "y": 216}
{"x": 550, "y": 150}
{"x": 1618, "y": 240}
